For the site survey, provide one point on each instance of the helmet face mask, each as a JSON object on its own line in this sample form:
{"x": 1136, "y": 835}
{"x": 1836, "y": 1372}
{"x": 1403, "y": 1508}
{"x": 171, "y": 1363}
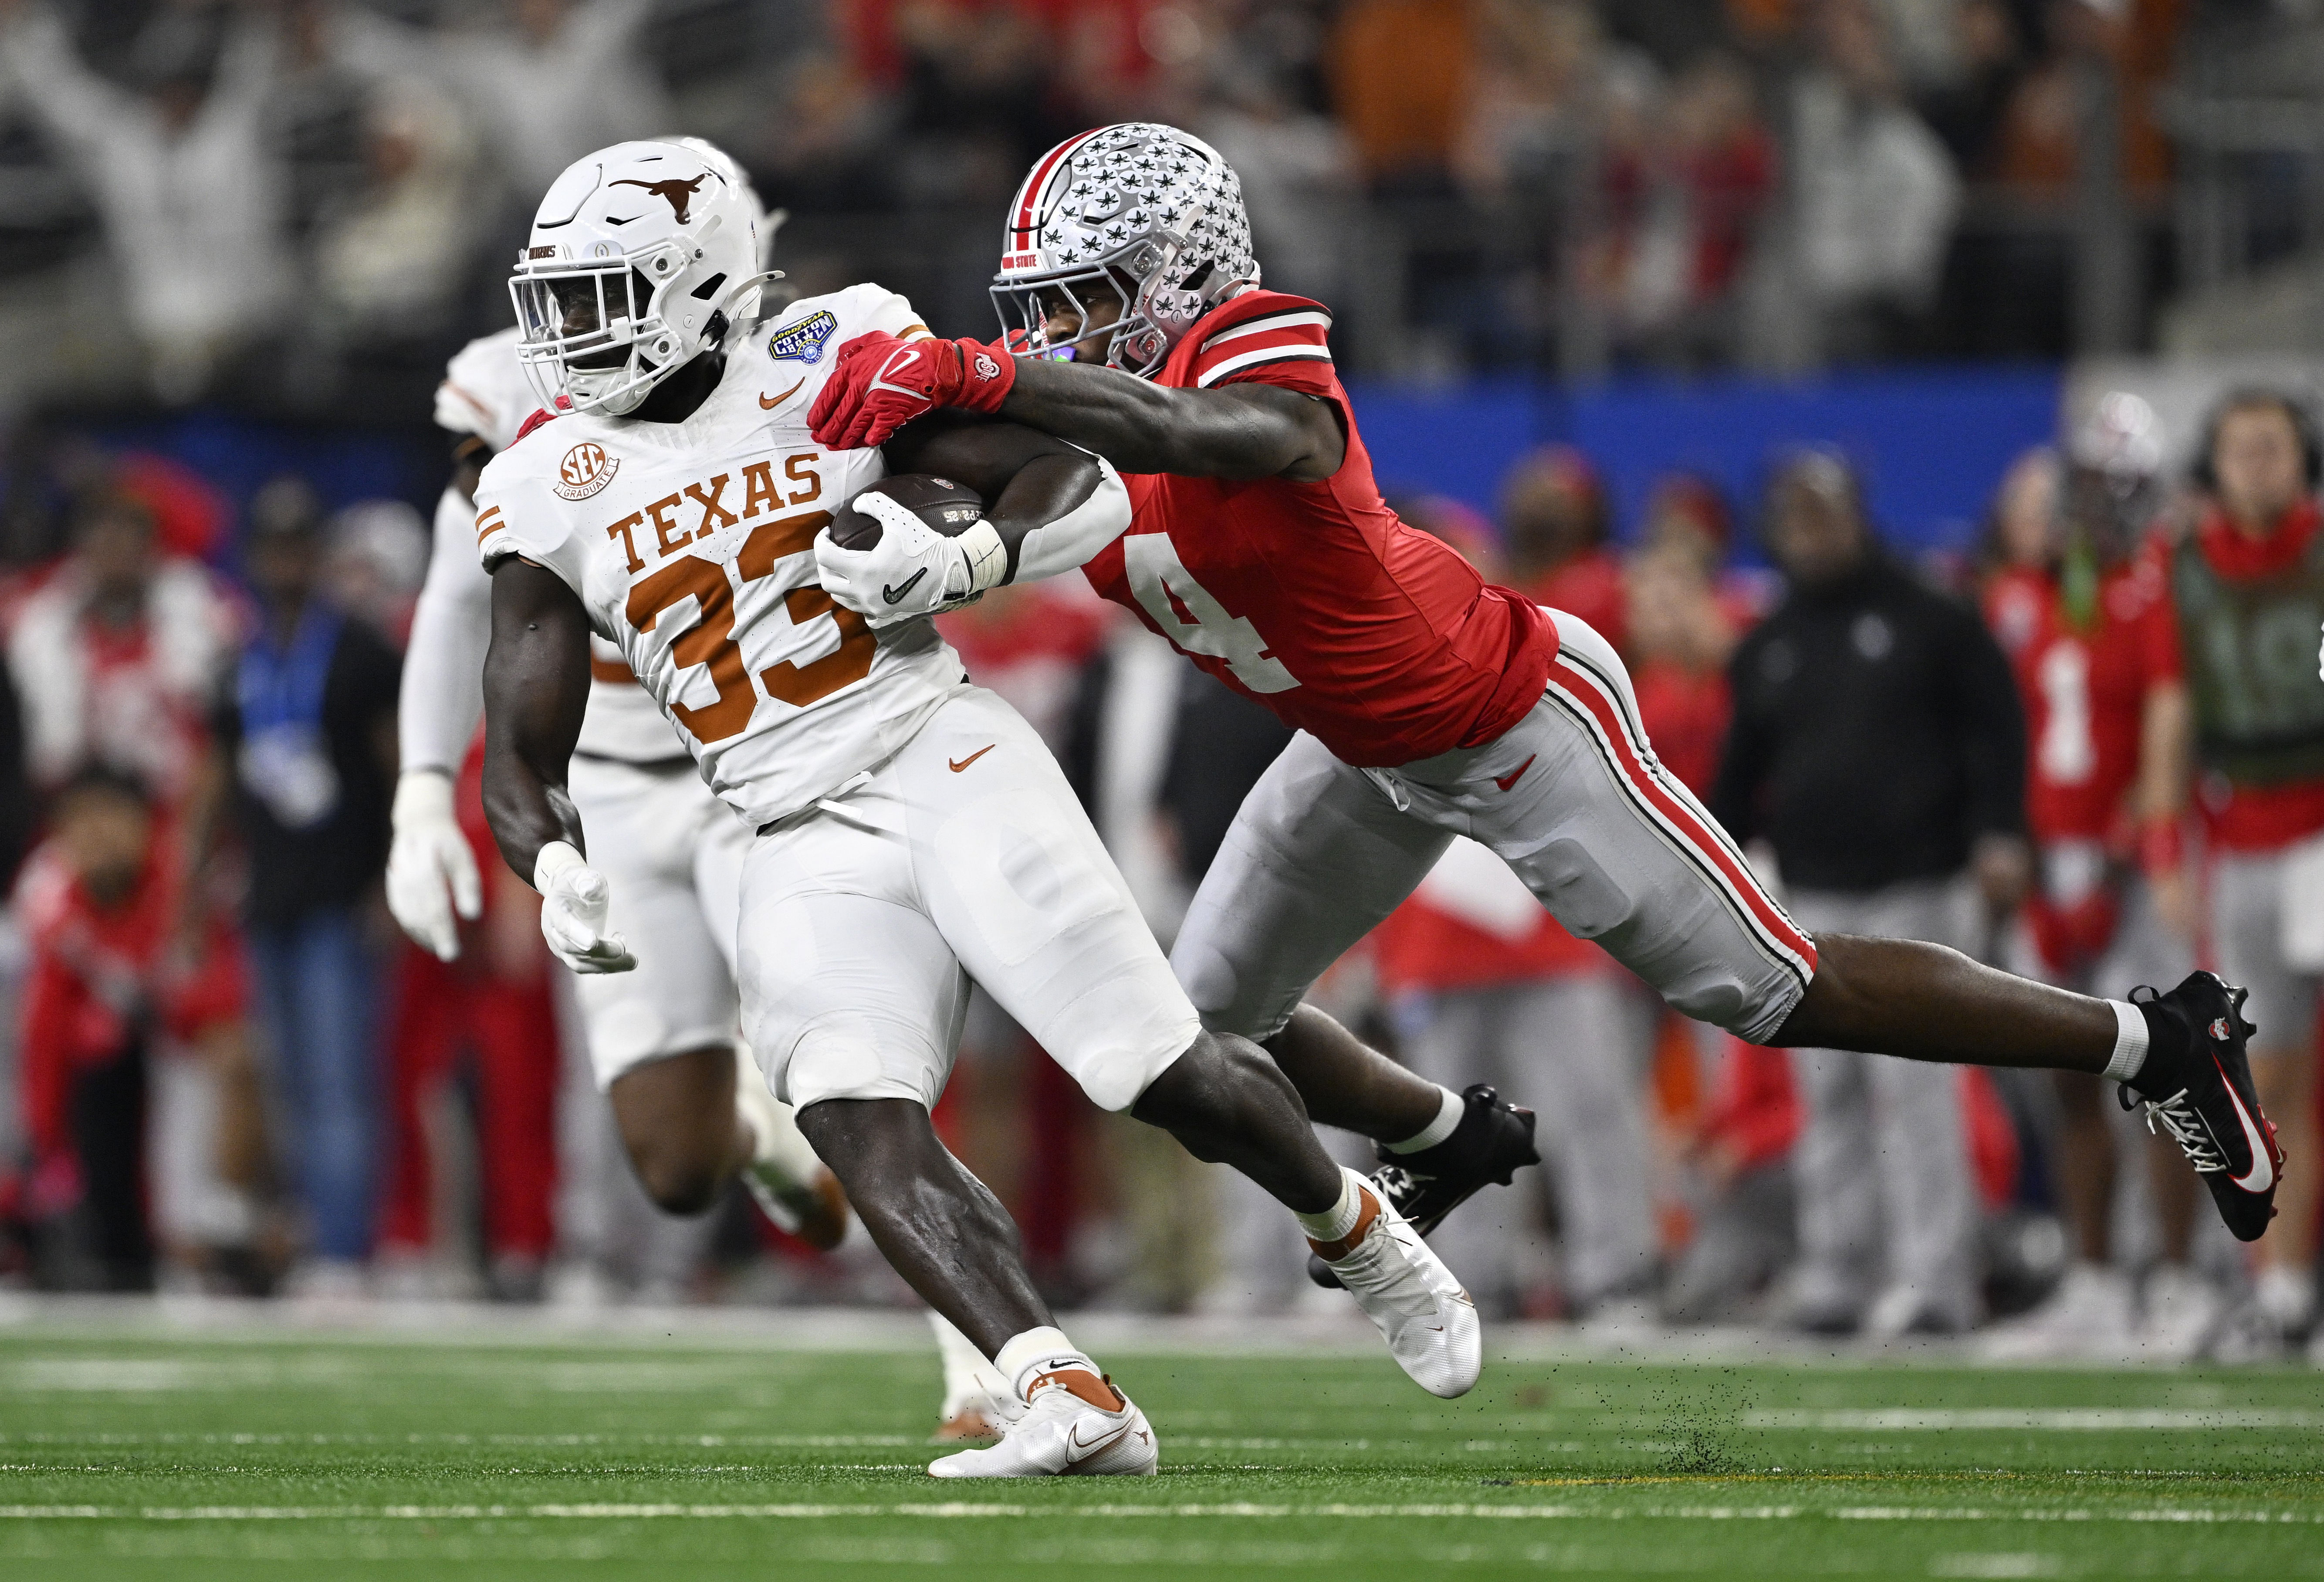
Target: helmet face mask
{"x": 1143, "y": 213}
{"x": 616, "y": 292}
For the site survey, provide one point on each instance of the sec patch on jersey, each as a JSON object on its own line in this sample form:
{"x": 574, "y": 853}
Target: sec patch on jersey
{"x": 946, "y": 507}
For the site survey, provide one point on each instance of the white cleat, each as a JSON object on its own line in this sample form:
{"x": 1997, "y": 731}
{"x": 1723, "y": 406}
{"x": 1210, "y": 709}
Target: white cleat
{"x": 1075, "y": 1424}
{"x": 1410, "y": 1296}
{"x": 791, "y": 1184}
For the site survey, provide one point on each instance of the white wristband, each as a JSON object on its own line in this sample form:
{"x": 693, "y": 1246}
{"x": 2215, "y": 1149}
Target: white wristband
{"x": 555, "y": 858}
{"x": 988, "y": 556}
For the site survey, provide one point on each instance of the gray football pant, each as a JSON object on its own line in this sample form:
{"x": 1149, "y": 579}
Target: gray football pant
{"x": 1885, "y": 1192}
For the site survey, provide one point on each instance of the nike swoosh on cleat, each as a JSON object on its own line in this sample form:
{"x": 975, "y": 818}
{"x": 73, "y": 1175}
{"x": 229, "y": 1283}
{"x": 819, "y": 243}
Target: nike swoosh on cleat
{"x": 2262, "y": 1175}
{"x": 1076, "y": 1449}
{"x": 896, "y": 595}
{"x": 768, "y": 403}
{"x": 971, "y": 758}
{"x": 1514, "y": 775}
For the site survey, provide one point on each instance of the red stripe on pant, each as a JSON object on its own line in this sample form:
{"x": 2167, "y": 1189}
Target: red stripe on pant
{"x": 1689, "y": 827}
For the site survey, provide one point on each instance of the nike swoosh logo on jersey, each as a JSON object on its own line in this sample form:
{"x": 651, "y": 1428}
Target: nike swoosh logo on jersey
{"x": 972, "y": 757}
{"x": 1514, "y": 775}
{"x": 769, "y": 402}
{"x": 2262, "y": 1174}
{"x": 896, "y": 595}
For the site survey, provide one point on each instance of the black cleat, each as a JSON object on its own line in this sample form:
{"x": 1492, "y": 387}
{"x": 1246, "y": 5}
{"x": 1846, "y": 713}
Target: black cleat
{"x": 1492, "y": 1143}
{"x": 2197, "y": 1085}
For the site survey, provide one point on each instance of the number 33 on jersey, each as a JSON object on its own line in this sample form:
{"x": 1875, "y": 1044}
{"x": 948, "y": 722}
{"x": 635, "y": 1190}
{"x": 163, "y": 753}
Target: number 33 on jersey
{"x": 690, "y": 545}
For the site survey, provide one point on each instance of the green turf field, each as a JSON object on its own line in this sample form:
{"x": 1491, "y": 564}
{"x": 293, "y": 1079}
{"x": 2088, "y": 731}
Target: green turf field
{"x": 269, "y": 1455}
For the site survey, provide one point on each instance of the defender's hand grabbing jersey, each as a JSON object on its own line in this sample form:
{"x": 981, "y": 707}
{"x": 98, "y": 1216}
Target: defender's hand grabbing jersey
{"x": 689, "y": 543}
{"x": 911, "y": 828}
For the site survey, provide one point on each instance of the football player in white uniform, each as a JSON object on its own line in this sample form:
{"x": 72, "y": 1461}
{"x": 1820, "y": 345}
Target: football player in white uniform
{"x": 913, "y": 832}
{"x": 689, "y": 1102}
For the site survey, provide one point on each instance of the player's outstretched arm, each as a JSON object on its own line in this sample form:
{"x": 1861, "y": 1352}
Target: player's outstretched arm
{"x": 1233, "y": 431}
{"x": 880, "y": 382}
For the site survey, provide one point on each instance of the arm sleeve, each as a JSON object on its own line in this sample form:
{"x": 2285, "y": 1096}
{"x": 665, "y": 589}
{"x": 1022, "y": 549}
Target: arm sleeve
{"x": 1991, "y": 721}
{"x": 1068, "y": 542}
{"x": 442, "y": 696}
{"x": 1277, "y": 340}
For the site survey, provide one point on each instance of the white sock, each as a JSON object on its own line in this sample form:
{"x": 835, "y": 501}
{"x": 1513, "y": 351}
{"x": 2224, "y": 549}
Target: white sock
{"x": 2129, "y": 1042}
{"x": 1448, "y": 1116}
{"x": 969, "y": 1380}
{"x": 1044, "y": 1350}
{"x": 1334, "y": 1223}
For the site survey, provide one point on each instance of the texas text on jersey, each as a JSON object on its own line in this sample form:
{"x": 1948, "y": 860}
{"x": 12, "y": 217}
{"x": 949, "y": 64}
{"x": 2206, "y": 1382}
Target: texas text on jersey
{"x": 1373, "y": 635}
{"x": 689, "y": 546}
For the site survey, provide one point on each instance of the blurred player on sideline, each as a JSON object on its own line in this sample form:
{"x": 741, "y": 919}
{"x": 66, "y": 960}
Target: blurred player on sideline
{"x": 2076, "y": 611}
{"x": 1429, "y": 703}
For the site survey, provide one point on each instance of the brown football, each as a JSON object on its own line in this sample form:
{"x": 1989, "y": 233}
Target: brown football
{"x": 948, "y": 507}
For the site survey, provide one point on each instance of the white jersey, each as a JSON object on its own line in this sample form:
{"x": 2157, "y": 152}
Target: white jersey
{"x": 485, "y": 393}
{"x": 690, "y": 543}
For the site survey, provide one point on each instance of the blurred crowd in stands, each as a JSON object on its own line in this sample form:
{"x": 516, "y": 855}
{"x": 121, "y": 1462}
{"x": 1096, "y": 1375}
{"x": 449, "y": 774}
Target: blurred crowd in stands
{"x": 305, "y": 204}
{"x": 227, "y": 1072}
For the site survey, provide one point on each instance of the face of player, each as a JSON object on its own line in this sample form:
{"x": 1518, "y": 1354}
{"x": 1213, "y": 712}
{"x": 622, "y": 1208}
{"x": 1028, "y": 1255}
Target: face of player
{"x": 1082, "y": 321}
{"x": 2260, "y": 473}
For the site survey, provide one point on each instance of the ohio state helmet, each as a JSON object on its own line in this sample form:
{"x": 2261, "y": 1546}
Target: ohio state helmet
{"x": 638, "y": 255}
{"x": 1146, "y": 211}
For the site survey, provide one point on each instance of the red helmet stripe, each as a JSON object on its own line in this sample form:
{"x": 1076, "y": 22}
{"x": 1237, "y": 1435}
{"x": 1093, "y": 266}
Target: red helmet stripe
{"x": 1029, "y": 196}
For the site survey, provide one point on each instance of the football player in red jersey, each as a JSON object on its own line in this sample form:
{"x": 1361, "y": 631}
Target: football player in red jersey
{"x": 1429, "y": 703}
{"x": 2080, "y": 615}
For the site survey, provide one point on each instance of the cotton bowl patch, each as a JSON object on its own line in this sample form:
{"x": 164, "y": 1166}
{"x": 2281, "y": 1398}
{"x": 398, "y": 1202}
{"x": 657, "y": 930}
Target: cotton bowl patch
{"x": 585, "y": 469}
{"x": 803, "y": 341}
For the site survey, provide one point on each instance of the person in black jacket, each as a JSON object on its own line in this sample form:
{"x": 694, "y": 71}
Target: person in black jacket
{"x": 1878, "y": 747}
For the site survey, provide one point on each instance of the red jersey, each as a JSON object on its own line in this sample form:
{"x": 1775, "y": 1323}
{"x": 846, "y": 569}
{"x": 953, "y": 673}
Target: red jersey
{"x": 2247, "y": 818}
{"x": 2085, "y": 691}
{"x": 96, "y": 971}
{"x": 1313, "y": 598}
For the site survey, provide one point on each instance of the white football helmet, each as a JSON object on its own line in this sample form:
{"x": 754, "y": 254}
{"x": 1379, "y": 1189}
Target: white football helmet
{"x": 639, "y": 255}
{"x": 1146, "y": 211}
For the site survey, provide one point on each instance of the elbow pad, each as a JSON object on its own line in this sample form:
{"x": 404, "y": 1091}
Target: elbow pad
{"x": 1069, "y": 541}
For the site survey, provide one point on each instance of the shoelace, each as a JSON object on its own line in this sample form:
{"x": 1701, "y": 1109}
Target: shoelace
{"x": 2194, "y": 1139}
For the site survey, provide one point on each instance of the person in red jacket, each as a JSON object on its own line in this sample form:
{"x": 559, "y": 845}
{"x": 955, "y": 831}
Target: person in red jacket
{"x": 1430, "y": 703}
{"x": 123, "y": 969}
{"x": 2084, "y": 622}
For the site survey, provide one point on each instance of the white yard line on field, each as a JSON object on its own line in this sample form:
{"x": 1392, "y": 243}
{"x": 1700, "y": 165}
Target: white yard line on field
{"x": 964, "y": 1510}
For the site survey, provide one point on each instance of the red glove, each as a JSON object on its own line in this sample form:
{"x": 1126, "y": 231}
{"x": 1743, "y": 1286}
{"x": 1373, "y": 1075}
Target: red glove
{"x": 880, "y": 382}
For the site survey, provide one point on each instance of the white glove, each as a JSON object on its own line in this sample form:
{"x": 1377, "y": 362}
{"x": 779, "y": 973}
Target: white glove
{"x": 430, "y": 872}
{"x": 574, "y": 901}
{"x": 914, "y": 570}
